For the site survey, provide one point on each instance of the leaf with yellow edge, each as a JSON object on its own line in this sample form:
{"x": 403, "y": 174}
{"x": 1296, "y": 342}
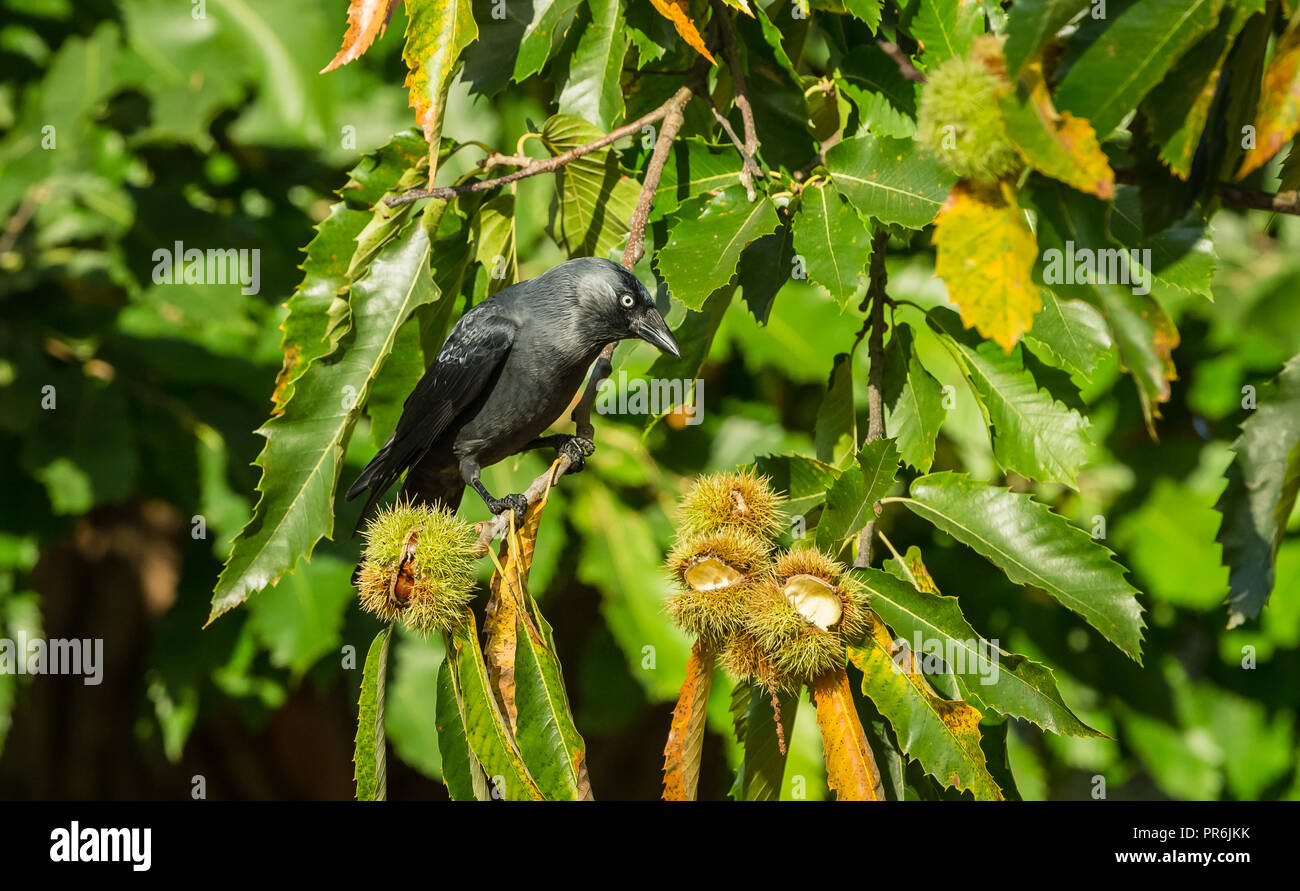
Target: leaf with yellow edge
{"x": 850, "y": 767}
{"x": 437, "y": 32}
{"x": 1057, "y": 144}
{"x": 741, "y": 5}
{"x": 686, "y": 736}
{"x": 679, "y": 13}
{"x": 367, "y": 19}
{"x": 942, "y": 734}
{"x": 1279, "y": 102}
{"x": 985, "y": 254}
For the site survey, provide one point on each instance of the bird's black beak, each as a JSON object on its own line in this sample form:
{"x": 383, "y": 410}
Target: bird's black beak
{"x": 652, "y": 328}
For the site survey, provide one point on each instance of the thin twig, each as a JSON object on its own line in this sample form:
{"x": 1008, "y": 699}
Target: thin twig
{"x": 1253, "y": 199}
{"x": 534, "y": 167}
{"x": 749, "y": 149}
{"x": 874, "y": 303}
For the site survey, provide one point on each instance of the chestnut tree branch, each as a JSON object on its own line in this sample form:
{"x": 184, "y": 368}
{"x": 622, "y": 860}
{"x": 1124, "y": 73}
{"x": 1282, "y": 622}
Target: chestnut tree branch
{"x": 536, "y": 166}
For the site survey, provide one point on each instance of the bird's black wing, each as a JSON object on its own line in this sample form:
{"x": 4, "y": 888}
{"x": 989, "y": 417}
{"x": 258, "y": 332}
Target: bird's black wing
{"x": 470, "y": 357}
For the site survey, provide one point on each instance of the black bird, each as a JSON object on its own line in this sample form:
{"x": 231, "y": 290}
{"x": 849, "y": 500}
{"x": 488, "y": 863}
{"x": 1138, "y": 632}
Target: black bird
{"x": 507, "y": 370}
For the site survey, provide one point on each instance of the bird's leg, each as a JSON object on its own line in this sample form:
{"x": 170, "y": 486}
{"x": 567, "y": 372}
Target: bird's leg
{"x": 576, "y": 447}
{"x": 518, "y": 502}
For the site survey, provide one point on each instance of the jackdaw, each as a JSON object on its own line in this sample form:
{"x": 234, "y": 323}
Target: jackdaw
{"x": 506, "y": 372}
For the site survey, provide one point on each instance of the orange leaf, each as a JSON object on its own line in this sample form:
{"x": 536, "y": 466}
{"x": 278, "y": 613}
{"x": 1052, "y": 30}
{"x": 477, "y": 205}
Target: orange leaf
{"x": 850, "y": 767}
{"x": 1279, "y": 102}
{"x": 678, "y": 12}
{"x": 367, "y": 19}
{"x": 686, "y": 737}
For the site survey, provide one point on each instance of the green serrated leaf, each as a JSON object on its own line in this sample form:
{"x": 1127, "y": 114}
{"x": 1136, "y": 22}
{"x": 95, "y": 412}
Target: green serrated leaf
{"x": 850, "y": 503}
{"x": 886, "y": 100}
{"x": 1032, "y": 23}
{"x": 594, "y": 198}
{"x": 707, "y": 239}
{"x": 460, "y": 769}
{"x": 803, "y": 480}
{"x": 889, "y": 179}
{"x": 370, "y": 759}
{"x": 998, "y": 680}
{"x": 304, "y": 447}
{"x": 1033, "y": 434}
{"x": 1037, "y": 547}
{"x": 946, "y": 28}
{"x": 307, "y": 327}
{"x": 833, "y": 241}
{"x": 1263, "y": 481}
{"x": 1143, "y": 333}
{"x": 494, "y": 241}
{"x": 1130, "y": 57}
{"x": 941, "y": 734}
{"x": 762, "y": 769}
{"x": 1072, "y": 332}
{"x": 694, "y": 167}
{"x": 593, "y": 90}
{"x": 835, "y": 432}
{"x": 912, "y": 399}
{"x": 548, "y": 740}
{"x": 486, "y": 728}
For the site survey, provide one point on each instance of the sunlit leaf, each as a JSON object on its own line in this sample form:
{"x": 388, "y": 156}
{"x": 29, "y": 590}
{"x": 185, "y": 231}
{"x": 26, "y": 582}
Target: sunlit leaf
{"x": 942, "y": 734}
{"x": 705, "y": 243}
{"x": 367, "y": 19}
{"x": 1034, "y": 546}
{"x": 850, "y": 765}
{"x": 679, "y": 13}
{"x": 686, "y": 735}
{"x": 985, "y": 254}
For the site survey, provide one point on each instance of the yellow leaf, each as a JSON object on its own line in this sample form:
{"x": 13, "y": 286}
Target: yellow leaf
{"x": 850, "y": 767}
{"x": 686, "y": 737}
{"x": 1279, "y": 102}
{"x": 985, "y": 254}
{"x": 367, "y": 19}
{"x": 436, "y": 33}
{"x": 1057, "y": 144}
{"x": 678, "y": 12}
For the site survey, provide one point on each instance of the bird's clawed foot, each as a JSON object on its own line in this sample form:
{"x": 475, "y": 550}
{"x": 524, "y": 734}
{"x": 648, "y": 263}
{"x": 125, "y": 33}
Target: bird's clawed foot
{"x": 577, "y": 448}
{"x": 517, "y": 502}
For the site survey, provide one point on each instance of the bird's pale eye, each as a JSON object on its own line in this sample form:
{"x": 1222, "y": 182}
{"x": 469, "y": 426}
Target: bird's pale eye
{"x": 627, "y": 300}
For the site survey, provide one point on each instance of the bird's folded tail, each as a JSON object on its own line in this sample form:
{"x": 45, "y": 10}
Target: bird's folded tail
{"x": 428, "y": 482}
